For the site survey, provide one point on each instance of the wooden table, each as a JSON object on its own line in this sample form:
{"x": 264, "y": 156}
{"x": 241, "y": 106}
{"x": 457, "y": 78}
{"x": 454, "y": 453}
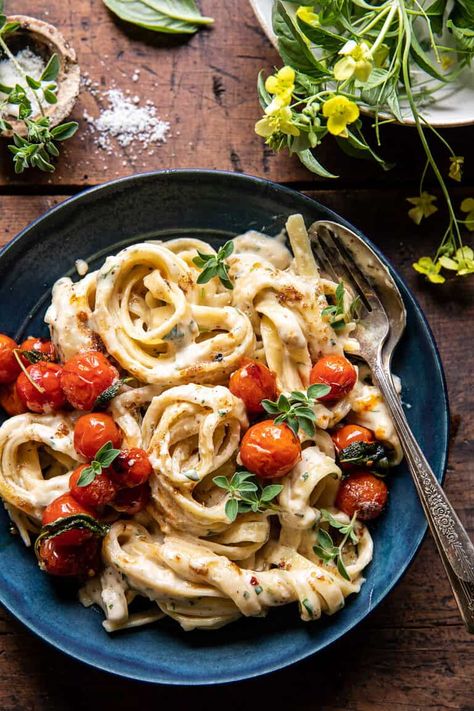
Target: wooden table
{"x": 412, "y": 652}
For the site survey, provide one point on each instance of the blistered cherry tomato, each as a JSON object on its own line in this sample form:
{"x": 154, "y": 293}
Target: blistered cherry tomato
{"x": 69, "y": 560}
{"x": 64, "y": 506}
{"x": 9, "y": 366}
{"x": 362, "y": 493}
{"x": 131, "y": 501}
{"x": 92, "y": 431}
{"x": 99, "y": 492}
{"x": 335, "y": 371}
{"x": 10, "y": 400}
{"x": 85, "y": 376}
{"x": 48, "y": 395}
{"x": 348, "y": 434}
{"x": 268, "y": 450}
{"x": 252, "y": 383}
{"x": 40, "y": 345}
{"x": 131, "y": 468}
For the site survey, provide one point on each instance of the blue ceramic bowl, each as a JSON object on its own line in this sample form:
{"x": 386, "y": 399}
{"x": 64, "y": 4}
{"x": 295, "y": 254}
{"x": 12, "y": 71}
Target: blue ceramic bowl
{"x": 213, "y": 206}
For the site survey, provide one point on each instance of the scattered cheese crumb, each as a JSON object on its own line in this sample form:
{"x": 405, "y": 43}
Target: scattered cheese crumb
{"x": 81, "y": 267}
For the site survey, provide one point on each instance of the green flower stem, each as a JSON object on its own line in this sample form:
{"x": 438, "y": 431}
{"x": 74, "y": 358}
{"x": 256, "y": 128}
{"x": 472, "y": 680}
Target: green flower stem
{"x": 406, "y": 78}
{"x": 385, "y": 28}
{"x": 379, "y": 16}
{"x": 19, "y": 69}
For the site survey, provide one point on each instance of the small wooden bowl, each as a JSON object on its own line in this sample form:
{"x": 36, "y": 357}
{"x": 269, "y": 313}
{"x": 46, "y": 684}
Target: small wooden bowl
{"x": 45, "y": 40}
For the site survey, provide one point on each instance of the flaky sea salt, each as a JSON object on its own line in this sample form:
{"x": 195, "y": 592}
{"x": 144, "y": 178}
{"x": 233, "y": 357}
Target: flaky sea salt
{"x": 32, "y": 64}
{"x": 126, "y": 121}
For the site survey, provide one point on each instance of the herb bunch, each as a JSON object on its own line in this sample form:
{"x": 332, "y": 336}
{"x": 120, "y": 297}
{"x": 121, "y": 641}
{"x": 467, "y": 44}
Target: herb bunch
{"x": 246, "y": 494}
{"x": 336, "y": 312}
{"x": 214, "y": 265}
{"x": 325, "y": 547}
{"x": 387, "y": 57}
{"x": 103, "y": 459}
{"x": 38, "y": 148}
{"x": 297, "y": 409}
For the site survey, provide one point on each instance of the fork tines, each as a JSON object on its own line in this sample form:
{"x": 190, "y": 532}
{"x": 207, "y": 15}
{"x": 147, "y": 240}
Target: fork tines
{"x": 337, "y": 261}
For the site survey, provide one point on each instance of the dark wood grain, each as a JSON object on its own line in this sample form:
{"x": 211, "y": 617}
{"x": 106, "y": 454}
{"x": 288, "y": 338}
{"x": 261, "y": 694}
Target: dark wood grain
{"x": 412, "y": 653}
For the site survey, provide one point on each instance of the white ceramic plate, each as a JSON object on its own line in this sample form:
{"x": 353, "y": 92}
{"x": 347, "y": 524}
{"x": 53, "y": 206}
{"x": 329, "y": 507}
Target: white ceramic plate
{"x": 454, "y": 105}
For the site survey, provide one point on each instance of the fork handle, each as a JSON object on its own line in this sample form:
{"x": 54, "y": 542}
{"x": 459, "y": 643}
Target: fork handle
{"x": 453, "y": 543}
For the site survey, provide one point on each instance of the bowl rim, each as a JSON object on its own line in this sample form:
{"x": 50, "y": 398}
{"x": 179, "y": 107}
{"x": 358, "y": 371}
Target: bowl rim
{"x": 108, "y": 666}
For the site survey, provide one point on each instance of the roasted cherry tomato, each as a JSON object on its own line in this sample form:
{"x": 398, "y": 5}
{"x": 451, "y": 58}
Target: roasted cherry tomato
{"x": 93, "y": 431}
{"x": 362, "y": 493}
{"x": 10, "y": 400}
{"x": 85, "y": 376}
{"x": 48, "y": 395}
{"x": 348, "y": 434}
{"x": 82, "y": 560}
{"x": 131, "y": 468}
{"x": 9, "y": 366}
{"x": 335, "y": 371}
{"x": 131, "y": 501}
{"x": 40, "y": 345}
{"x": 268, "y": 450}
{"x": 99, "y": 492}
{"x": 62, "y": 507}
{"x": 252, "y": 383}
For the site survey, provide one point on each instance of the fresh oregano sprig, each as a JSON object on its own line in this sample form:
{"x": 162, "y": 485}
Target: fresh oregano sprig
{"x": 297, "y": 409}
{"x": 336, "y": 311}
{"x": 103, "y": 459}
{"x": 214, "y": 265}
{"x": 325, "y": 547}
{"x": 246, "y": 494}
{"x": 38, "y": 147}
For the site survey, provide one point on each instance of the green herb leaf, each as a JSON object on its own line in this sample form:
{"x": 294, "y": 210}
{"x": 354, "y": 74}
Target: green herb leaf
{"x": 296, "y": 409}
{"x": 246, "y": 493}
{"x": 34, "y": 356}
{"x": 179, "y": 16}
{"x": 103, "y": 459}
{"x": 271, "y": 491}
{"x": 308, "y": 607}
{"x": 64, "y": 131}
{"x": 109, "y": 393}
{"x": 51, "y": 70}
{"x": 33, "y": 83}
{"x": 364, "y": 454}
{"x": 231, "y": 509}
{"x": 342, "y": 568}
{"x": 213, "y": 265}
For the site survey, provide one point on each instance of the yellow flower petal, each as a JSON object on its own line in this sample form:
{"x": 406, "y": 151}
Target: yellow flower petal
{"x": 467, "y": 204}
{"x": 337, "y": 125}
{"x": 344, "y": 68}
{"x": 264, "y": 127}
{"x": 306, "y": 14}
{"x": 362, "y": 70}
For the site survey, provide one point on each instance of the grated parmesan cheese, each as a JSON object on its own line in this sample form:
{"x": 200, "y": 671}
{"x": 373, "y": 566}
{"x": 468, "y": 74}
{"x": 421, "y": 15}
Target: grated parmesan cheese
{"x": 33, "y": 65}
{"x": 126, "y": 121}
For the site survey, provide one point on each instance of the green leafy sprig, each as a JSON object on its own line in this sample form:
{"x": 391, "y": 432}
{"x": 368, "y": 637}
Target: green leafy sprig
{"x": 109, "y": 393}
{"x": 103, "y": 459}
{"x": 38, "y": 147}
{"x": 325, "y": 547}
{"x": 297, "y": 409}
{"x": 336, "y": 312}
{"x": 246, "y": 494}
{"x": 214, "y": 265}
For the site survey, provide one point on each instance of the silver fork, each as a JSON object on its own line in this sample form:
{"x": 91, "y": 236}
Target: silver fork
{"x": 345, "y": 256}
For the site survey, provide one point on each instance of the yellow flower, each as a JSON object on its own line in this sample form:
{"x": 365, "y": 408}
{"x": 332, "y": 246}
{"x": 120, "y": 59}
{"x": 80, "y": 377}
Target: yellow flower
{"x": 423, "y": 207}
{"x": 455, "y": 167}
{"x": 356, "y": 61}
{"x": 467, "y": 205}
{"x": 340, "y": 111}
{"x": 306, "y": 14}
{"x": 462, "y": 262}
{"x": 282, "y": 85}
{"x": 425, "y": 265}
{"x": 279, "y": 121}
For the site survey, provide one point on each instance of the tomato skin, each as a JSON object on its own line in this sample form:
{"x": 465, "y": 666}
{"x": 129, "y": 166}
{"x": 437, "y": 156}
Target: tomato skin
{"x": 270, "y": 451}
{"x": 69, "y": 560}
{"x": 9, "y": 366}
{"x": 132, "y": 500}
{"x": 85, "y": 376}
{"x": 364, "y": 493}
{"x": 48, "y": 377}
{"x": 348, "y": 434}
{"x": 41, "y": 345}
{"x": 335, "y": 371}
{"x": 64, "y": 506}
{"x": 10, "y": 400}
{"x": 131, "y": 468}
{"x": 98, "y": 493}
{"x": 92, "y": 431}
{"x": 252, "y": 383}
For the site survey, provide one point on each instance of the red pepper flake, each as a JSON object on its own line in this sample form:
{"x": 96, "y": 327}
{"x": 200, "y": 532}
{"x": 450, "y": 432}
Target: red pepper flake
{"x": 253, "y": 580}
